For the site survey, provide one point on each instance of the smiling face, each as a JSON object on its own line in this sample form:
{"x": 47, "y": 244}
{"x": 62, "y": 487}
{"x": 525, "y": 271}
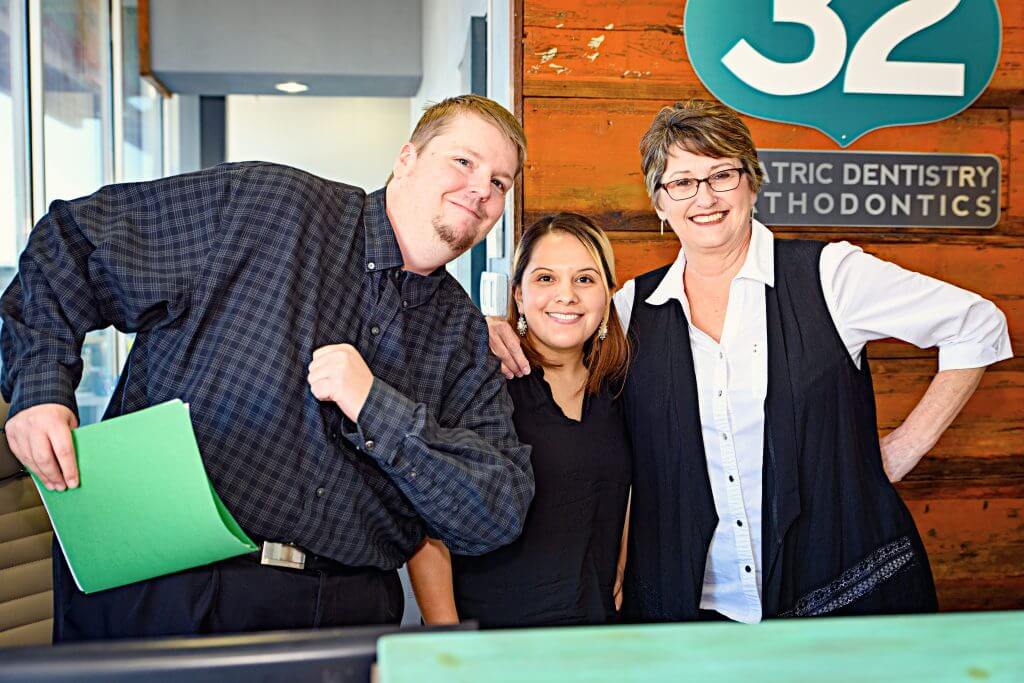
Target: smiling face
{"x": 454, "y": 187}
{"x": 708, "y": 221}
{"x": 561, "y": 295}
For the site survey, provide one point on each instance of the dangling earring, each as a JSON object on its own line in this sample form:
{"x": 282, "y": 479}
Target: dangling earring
{"x": 521, "y": 325}
{"x": 662, "y": 226}
{"x": 602, "y": 332}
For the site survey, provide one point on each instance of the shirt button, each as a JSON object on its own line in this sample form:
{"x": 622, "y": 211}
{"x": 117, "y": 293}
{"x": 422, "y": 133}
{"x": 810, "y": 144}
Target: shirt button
{"x": 731, "y": 478}
{"x": 369, "y": 445}
{"x": 721, "y": 355}
{"x": 719, "y": 392}
{"x": 739, "y": 522}
{"x": 371, "y": 265}
{"x": 747, "y": 569}
{"x": 333, "y": 436}
{"x": 725, "y": 437}
{"x": 412, "y": 474}
{"x": 405, "y": 304}
{"x": 320, "y": 492}
{"x": 374, "y": 330}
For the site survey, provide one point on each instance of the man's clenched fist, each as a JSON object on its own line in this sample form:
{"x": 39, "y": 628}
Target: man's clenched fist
{"x": 338, "y": 373}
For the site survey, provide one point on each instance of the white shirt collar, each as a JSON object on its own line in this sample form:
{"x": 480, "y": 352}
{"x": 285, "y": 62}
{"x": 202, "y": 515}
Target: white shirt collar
{"x": 759, "y": 265}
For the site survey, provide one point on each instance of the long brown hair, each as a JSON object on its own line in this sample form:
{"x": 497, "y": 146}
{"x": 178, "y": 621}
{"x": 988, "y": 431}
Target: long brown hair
{"x": 606, "y": 360}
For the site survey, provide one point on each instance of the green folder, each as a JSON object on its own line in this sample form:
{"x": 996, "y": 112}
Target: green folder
{"x": 144, "y": 506}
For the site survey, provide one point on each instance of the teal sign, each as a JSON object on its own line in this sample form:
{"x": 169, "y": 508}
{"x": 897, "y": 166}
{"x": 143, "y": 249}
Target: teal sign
{"x": 845, "y": 67}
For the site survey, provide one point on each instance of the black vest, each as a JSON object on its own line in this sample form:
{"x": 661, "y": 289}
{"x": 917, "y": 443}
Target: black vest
{"x": 836, "y": 537}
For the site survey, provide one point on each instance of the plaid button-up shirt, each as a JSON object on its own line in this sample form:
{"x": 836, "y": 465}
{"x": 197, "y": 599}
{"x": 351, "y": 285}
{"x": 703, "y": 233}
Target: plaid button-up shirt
{"x": 231, "y": 278}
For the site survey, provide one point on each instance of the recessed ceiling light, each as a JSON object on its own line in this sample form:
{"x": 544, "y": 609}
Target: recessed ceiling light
{"x": 292, "y": 87}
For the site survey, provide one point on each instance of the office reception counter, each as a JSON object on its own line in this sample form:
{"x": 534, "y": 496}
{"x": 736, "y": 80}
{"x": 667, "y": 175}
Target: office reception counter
{"x": 971, "y": 647}
{"x": 934, "y": 648}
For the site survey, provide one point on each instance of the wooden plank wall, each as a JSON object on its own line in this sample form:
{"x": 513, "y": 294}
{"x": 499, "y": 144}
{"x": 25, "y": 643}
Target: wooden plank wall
{"x": 592, "y": 74}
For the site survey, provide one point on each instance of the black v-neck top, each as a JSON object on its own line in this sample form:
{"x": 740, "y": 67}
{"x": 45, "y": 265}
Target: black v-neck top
{"x": 561, "y": 570}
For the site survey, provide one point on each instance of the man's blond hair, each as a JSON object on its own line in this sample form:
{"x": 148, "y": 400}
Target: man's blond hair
{"x": 436, "y": 117}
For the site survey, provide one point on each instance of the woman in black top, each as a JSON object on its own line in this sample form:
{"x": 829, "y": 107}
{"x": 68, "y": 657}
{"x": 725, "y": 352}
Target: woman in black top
{"x": 565, "y": 567}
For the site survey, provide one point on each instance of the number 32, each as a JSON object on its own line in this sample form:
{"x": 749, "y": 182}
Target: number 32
{"x": 869, "y": 70}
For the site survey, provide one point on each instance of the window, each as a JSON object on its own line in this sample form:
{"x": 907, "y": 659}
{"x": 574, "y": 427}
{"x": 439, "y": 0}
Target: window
{"x": 142, "y": 108}
{"x": 77, "y": 157}
{"x": 15, "y": 219}
{"x": 76, "y": 97}
{"x": 67, "y": 47}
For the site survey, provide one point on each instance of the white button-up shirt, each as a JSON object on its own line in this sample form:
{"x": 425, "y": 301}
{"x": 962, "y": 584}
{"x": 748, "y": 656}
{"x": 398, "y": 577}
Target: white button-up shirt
{"x": 868, "y": 299}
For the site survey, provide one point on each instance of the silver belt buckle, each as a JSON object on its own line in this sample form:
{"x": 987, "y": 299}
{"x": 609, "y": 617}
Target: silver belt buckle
{"x": 282, "y": 555}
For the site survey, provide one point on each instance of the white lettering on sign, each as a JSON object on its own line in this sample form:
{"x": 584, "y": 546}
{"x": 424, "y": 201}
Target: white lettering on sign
{"x": 794, "y": 78}
{"x": 879, "y": 189}
{"x": 869, "y": 70}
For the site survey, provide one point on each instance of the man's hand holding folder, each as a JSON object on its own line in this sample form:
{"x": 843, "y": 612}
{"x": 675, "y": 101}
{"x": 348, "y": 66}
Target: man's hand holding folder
{"x": 40, "y": 437}
{"x": 116, "y": 528}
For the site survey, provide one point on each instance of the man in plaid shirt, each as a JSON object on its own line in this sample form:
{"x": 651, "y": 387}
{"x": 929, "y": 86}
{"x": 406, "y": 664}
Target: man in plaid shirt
{"x": 340, "y": 384}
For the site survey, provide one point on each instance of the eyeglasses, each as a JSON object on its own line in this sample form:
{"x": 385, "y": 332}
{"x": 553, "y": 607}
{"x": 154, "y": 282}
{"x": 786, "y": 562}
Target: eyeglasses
{"x": 719, "y": 181}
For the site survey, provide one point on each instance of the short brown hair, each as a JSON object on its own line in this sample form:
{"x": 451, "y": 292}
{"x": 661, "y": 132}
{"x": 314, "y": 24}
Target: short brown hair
{"x": 436, "y": 117}
{"x": 607, "y": 359}
{"x": 702, "y": 127}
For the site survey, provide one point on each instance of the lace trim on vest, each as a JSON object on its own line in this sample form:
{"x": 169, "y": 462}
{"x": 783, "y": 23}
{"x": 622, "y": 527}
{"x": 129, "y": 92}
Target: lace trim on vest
{"x": 857, "y": 581}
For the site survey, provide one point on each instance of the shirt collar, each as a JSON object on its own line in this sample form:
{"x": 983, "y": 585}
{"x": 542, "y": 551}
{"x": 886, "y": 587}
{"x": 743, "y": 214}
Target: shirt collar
{"x": 382, "y": 250}
{"x": 383, "y": 254}
{"x": 759, "y": 265}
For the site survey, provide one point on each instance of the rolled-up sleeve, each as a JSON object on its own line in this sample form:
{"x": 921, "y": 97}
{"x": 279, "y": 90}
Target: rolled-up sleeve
{"x": 872, "y": 299}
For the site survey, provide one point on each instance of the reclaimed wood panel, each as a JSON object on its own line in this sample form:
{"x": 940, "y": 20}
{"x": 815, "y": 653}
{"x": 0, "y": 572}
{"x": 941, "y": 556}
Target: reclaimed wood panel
{"x": 980, "y": 593}
{"x": 608, "y": 48}
{"x": 900, "y": 383}
{"x": 1016, "y": 175}
{"x": 981, "y": 455}
{"x": 604, "y": 14}
{"x": 584, "y": 153}
{"x": 651, "y": 14}
{"x": 966, "y": 538}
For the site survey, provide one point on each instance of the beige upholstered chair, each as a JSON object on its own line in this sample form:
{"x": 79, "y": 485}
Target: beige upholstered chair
{"x": 26, "y": 581}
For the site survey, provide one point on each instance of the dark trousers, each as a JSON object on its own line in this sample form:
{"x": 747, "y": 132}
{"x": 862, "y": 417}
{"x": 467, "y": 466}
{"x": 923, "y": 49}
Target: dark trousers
{"x": 234, "y": 596}
{"x": 711, "y": 615}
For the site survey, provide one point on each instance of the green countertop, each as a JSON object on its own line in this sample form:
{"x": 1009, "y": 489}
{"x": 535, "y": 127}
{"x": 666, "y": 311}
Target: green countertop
{"x": 979, "y": 646}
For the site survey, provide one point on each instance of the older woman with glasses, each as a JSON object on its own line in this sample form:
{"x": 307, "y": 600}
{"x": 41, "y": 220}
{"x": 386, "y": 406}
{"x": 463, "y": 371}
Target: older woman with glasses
{"x": 760, "y": 486}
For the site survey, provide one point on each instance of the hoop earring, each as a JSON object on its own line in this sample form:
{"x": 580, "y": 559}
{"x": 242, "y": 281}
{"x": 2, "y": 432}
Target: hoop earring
{"x": 602, "y": 332}
{"x": 521, "y": 325}
{"x": 662, "y": 226}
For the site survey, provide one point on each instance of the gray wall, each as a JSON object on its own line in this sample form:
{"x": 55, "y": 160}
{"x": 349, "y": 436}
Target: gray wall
{"x": 337, "y": 47}
{"x": 445, "y": 28}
